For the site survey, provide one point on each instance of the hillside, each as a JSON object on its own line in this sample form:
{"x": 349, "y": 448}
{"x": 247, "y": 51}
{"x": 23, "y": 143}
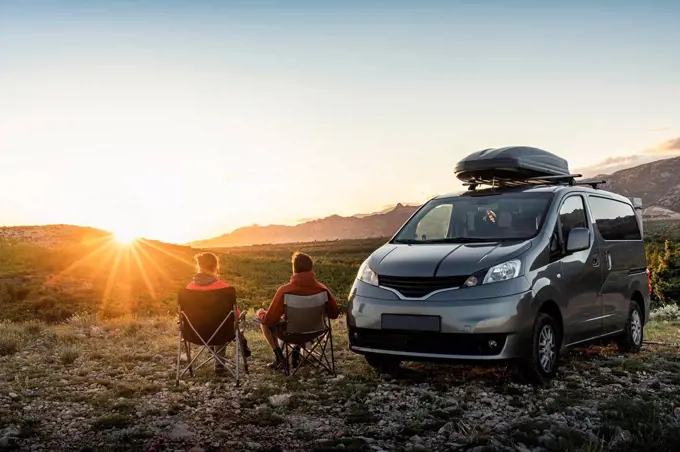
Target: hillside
{"x": 657, "y": 183}
{"x": 51, "y": 236}
{"x": 334, "y": 227}
{"x": 52, "y": 272}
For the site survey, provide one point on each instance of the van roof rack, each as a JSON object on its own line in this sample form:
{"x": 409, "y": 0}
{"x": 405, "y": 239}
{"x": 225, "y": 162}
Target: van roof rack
{"x": 564, "y": 179}
{"x": 516, "y": 166}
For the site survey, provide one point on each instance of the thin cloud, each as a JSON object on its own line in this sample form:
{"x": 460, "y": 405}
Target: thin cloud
{"x": 668, "y": 148}
{"x": 672, "y": 146}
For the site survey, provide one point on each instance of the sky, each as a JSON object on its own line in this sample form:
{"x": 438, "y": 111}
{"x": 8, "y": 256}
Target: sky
{"x": 184, "y": 120}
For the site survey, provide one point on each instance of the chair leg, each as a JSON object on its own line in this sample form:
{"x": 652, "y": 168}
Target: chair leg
{"x": 237, "y": 348}
{"x": 330, "y": 334}
{"x": 179, "y": 356}
{"x": 187, "y": 347}
{"x": 286, "y": 355}
{"x": 332, "y": 353}
{"x": 245, "y": 362}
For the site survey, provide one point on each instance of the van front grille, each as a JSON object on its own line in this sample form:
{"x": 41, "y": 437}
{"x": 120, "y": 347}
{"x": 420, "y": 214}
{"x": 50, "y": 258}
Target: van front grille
{"x": 419, "y": 287}
{"x": 426, "y": 342}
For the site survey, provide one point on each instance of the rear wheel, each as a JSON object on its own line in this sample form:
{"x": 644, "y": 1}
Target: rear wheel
{"x": 630, "y": 340}
{"x": 540, "y": 366}
{"x": 383, "y": 363}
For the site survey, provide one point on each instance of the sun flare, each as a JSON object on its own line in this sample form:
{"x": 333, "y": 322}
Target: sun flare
{"x": 125, "y": 237}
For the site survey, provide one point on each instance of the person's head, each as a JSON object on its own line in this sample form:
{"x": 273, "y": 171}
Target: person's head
{"x": 207, "y": 263}
{"x": 301, "y": 262}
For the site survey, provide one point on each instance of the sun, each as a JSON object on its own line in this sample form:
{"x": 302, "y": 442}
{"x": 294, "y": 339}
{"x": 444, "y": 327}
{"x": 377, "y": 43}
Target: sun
{"x": 125, "y": 237}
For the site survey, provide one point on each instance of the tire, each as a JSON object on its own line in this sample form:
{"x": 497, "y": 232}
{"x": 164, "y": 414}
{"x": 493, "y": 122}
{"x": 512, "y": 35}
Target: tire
{"x": 383, "y": 363}
{"x": 540, "y": 365}
{"x": 630, "y": 341}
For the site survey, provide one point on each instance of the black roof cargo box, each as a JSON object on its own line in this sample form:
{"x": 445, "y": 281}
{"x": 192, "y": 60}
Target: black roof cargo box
{"x": 511, "y": 163}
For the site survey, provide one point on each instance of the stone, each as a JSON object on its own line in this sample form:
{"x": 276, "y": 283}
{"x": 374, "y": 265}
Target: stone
{"x": 446, "y": 429}
{"x": 278, "y": 400}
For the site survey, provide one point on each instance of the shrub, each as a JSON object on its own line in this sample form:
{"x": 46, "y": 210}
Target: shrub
{"x": 9, "y": 342}
{"x": 668, "y": 313}
{"x": 34, "y": 327}
{"x": 110, "y": 421}
{"x": 664, "y": 266}
{"x": 68, "y": 355}
{"x": 84, "y": 321}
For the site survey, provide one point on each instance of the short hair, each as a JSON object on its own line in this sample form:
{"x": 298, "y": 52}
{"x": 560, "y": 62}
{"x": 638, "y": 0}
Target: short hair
{"x": 301, "y": 262}
{"x": 207, "y": 262}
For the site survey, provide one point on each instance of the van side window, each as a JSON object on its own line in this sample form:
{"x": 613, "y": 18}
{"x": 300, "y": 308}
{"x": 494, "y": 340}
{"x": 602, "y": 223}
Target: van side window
{"x": 435, "y": 224}
{"x": 615, "y": 220}
{"x": 572, "y": 215}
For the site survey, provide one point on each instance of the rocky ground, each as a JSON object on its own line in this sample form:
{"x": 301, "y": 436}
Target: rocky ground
{"x": 87, "y": 385}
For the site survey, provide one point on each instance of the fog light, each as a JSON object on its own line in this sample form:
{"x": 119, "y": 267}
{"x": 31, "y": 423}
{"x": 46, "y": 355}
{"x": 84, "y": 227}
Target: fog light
{"x": 471, "y": 282}
{"x": 493, "y": 344}
{"x": 355, "y": 336}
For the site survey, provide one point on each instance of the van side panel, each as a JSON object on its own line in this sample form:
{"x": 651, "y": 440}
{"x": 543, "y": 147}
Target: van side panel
{"x": 623, "y": 260}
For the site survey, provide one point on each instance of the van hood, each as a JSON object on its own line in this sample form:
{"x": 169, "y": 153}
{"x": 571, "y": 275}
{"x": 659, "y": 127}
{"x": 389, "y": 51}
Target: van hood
{"x": 429, "y": 260}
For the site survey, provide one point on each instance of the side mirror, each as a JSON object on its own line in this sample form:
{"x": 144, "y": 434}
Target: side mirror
{"x": 578, "y": 240}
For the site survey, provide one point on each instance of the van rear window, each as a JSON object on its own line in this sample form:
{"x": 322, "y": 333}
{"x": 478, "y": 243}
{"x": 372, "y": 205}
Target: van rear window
{"x": 615, "y": 220}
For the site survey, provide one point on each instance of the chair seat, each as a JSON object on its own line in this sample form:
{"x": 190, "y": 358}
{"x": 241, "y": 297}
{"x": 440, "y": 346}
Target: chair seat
{"x": 299, "y": 338}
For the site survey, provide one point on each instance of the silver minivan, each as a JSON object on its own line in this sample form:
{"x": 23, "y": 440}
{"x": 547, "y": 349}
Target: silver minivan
{"x": 519, "y": 270}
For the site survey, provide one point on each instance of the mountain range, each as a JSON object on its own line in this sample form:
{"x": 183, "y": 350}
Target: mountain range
{"x": 657, "y": 183}
{"x": 335, "y": 227}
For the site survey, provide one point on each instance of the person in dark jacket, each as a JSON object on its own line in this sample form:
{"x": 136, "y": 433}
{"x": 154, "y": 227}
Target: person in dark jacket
{"x": 207, "y": 278}
{"x": 303, "y": 282}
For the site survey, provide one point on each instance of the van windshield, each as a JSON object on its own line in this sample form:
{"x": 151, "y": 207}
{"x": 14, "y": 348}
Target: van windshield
{"x": 481, "y": 218}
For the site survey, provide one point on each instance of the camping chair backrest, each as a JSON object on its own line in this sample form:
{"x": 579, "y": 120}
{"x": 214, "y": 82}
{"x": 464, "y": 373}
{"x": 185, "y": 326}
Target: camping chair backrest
{"x": 305, "y": 314}
{"x": 207, "y": 310}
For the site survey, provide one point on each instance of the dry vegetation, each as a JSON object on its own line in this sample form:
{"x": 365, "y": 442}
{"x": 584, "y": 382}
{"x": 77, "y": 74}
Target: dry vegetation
{"x": 89, "y": 384}
{"x": 105, "y": 380}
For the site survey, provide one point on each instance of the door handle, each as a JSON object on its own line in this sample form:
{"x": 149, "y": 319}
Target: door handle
{"x": 609, "y": 261}
{"x": 596, "y": 261}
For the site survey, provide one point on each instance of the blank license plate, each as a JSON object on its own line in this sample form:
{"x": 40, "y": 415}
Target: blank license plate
{"x": 411, "y": 322}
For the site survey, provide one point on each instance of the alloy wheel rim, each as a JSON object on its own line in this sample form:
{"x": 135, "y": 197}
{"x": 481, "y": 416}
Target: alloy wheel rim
{"x": 635, "y": 327}
{"x": 547, "y": 348}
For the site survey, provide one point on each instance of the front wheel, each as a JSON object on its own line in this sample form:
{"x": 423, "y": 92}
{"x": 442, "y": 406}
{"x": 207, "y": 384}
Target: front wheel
{"x": 630, "y": 340}
{"x": 540, "y": 366}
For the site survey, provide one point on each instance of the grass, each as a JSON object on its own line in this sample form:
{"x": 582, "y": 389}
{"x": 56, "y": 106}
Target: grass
{"x": 646, "y": 421}
{"x": 68, "y": 355}
{"x": 130, "y": 385}
{"x": 80, "y": 283}
{"x": 107, "y": 422}
{"x": 108, "y": 359}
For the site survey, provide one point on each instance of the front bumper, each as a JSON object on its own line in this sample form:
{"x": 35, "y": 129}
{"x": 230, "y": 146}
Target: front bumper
{"x": 475, "y": 329}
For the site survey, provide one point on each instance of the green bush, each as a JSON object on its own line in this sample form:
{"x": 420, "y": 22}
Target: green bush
{"x": 663, "y": 260}
{"x": 10, "y": 342}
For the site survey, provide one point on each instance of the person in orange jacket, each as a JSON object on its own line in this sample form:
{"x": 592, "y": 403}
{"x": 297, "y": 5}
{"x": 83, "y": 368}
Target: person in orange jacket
{"x": 207, "y": 278}
{"x": 304, "y": 283}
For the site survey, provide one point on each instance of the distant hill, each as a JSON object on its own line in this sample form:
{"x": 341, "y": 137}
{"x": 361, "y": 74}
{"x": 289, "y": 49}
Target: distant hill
{"x": 335, "y": 227}
{"x": 51, "y": 236}
{"x": 657, "y": 183}
{"x": 51, "y": 272}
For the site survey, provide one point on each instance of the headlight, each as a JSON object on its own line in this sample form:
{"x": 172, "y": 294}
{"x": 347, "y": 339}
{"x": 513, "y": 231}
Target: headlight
{"x": 503, "y": 272}
{"x": 367, "y": 275}
{"x": 500, "y": 272}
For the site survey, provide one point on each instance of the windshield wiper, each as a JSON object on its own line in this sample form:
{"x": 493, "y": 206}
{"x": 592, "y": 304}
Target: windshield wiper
{"x": 407, "y": 241}
{"x": 460, "y": 240}
{"x": 445, "y": 240}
